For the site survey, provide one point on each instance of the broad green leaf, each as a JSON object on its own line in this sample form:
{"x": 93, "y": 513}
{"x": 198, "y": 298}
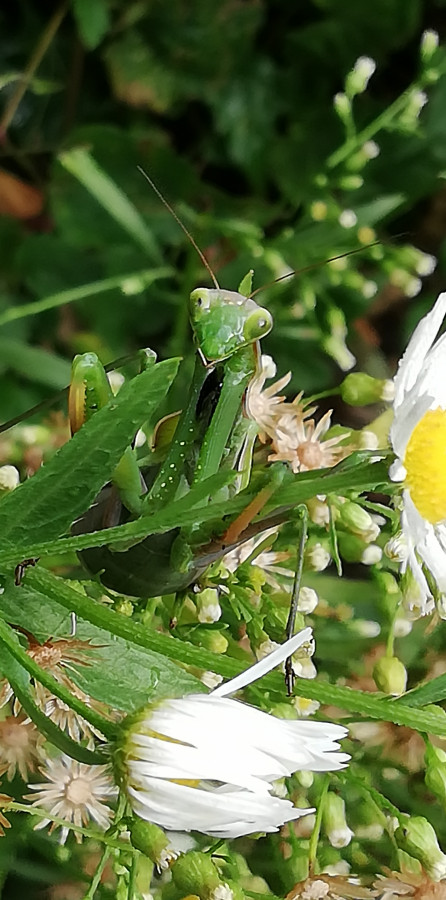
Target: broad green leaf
{"x": 81, "y": 164}
{"x": 120, "y": 673}
{"x": 92, "y": 20}
{"x": 64, "y": 488}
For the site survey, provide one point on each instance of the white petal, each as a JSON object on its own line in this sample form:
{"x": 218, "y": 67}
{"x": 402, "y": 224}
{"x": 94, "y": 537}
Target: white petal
{"x": 264, "y": 665}
{"x": 420, "y": 343}
{"x": 220, "y": 813}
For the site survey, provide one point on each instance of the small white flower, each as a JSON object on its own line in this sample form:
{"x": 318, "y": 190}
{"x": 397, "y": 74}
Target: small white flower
{"x": 348, "y": 218}
{"x": 317, "y": 557}
{"x": 74, "y": 792}
{"x": 9, "y": 478}
{"x": 425, "y": 264}
{"x": 418, "y": 437}
{"x": 371, "y": 555}
{"x": 305, "y": 707}
{"x": 208, "y": 606}
{"x": 207, "y": 763}
{"x": 371, "y": 149}
{"x": 308, "y": 600}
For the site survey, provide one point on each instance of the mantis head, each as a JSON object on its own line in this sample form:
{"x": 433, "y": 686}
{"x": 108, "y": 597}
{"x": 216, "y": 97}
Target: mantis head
{"x": 225, "y": 321}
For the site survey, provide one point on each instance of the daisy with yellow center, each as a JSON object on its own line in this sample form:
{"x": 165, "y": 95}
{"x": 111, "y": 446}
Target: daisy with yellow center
{"x": 418, "y": 437}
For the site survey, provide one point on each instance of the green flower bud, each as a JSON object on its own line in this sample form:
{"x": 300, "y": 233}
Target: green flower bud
{"x": 416, "y": 836}
{"x": 354, "y": 517}
{"x": 429, "y": 44}
{"x": 390, "y": 675}
{"x": 208, "y": 606}
{"x": 360, "y": 389}
{"x": 210, "y": 639}
{"x": 351, "y": 182}
{"x": 152, "y": 842}
{"x": 335, "y": 823}
{"x": 358, "y": 78}
{"x": 195, "y": 873}
{"x": 124, "y": 606}
{"x": 351, "y": 546}
{"x": 342, "y": 106}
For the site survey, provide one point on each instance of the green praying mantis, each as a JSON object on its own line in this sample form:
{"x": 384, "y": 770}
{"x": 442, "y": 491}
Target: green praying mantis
{"x": 227, "y": 326}
{"x": 213, "y": 434}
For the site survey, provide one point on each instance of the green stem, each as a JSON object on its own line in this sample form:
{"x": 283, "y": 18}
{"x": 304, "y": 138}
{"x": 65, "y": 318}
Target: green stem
{"x": 32, "y": 66}
{"x": 314, "y": 839}
{"x": 98, "y": 874}
{"x": 144, "y": 276}
{"x": 8, "y": 638}
{"x": 361, "y": 702}
{"x": 355, "y": 142}
{"x": 101, "y": 836}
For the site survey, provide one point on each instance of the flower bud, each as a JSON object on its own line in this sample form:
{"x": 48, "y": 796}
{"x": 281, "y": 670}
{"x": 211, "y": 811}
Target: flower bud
{"x": 358, "y": 79}
{"x": 208, "y": 606}
{"x": 335, "y": 824}
{"x": 9, "y": 478}
{"x": 359, "y": 389}
{"x": 124, "y": 606}
{"x": 372, "y": 555}
{"x": 429, "y": 44}
{"x": 308, "y": 600}
{"x": 152, "y": 842}
{"x": 195, "y": 873}
{"x": 351, "y": 547}
{"x": 318, "y": 210}
{"x": 317, "y": 557}
{"x": 390, "y": 675}
{"x": 416, "y": 836}
{"x": 351, "y": 183}
{"x": 342, "y": 106}
{"x": 210, "y": 639}
{"x": 355, "y": 518}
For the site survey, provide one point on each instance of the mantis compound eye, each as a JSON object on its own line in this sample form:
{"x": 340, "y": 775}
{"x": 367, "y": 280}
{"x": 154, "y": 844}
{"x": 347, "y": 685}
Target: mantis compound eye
{"x": 200, "y": 298}
{"x": 257, "y": 325}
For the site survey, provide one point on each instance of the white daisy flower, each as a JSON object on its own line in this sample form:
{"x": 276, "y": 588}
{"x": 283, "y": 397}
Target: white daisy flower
{"x": 418, "y": 437}
{"x": 207, "y": 763}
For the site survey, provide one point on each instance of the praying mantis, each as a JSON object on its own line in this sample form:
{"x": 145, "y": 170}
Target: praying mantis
{"x": 227, "y": 326}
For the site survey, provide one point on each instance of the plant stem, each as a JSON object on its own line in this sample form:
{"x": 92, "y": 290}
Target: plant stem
{"x": 32, "y": 66}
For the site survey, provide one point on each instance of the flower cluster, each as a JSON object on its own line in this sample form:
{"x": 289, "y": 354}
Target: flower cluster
{"x": 289, "y": 429}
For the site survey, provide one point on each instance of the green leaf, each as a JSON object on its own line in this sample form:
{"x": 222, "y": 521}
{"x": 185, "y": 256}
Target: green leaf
{"x": 34, "y": 363}
{"x": 296, "y": 489}
{"x": 81, "y": 164}
{"x": 356, "y": 702}
{"x": 64, "y": 488}
{"x": 121, "y": 674}
{"x": 432, "y": 692}
{"x": 92, "y": 20}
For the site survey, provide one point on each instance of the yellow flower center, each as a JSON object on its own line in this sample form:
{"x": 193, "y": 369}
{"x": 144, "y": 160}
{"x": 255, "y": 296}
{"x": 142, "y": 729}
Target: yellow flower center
{"x": 425, "y": 464}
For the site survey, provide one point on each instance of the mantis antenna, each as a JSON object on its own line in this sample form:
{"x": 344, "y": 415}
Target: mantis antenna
{"x": 181, "y": 224}
{"x": 314, "y": 266}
